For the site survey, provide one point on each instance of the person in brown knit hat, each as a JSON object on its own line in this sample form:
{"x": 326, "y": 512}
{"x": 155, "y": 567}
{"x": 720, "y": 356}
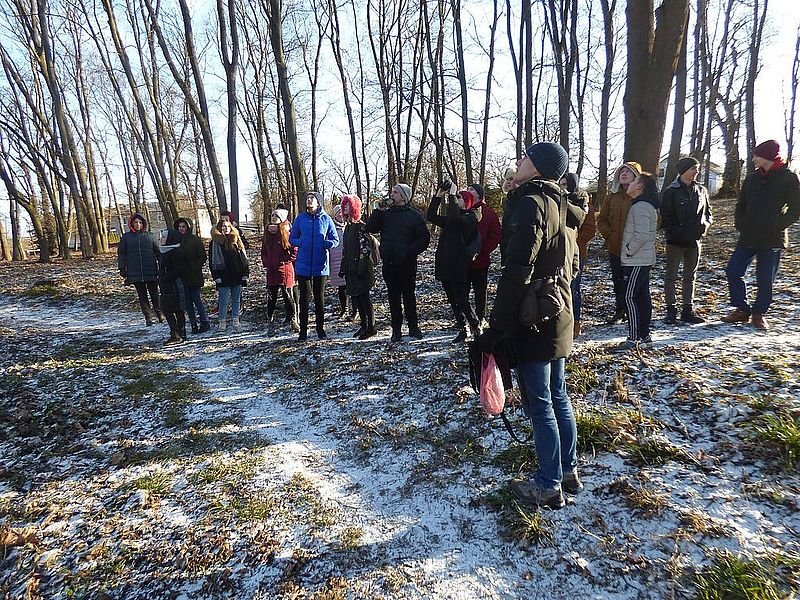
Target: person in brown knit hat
{"x": 768, "y": 204}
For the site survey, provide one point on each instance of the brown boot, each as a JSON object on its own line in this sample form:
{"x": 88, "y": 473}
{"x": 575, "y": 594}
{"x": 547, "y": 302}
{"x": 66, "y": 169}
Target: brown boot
{"x": 759, "y": 322}
{"x": 737, "y": 316}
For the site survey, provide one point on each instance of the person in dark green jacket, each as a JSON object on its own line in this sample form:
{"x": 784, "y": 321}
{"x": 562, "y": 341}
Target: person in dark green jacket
{"x": 137, "y": 260}
{"x": 194, "y": 256}
{"x": 768, "y": 204}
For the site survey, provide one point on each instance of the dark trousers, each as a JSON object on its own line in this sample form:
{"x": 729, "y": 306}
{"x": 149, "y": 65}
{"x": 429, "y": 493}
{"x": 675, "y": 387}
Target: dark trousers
{"x": 272, "y": 301}
{"x": 618, "y": 278}
{"x": 478, "y": 281}
{"x": 312, "y": 286}
{"x": 194, "y": 300}
{"x": 401, "y": 283}
{"x": 575, "y": 286}
{"x": 457, "y": 293}
{"x": 366, "y": 313}
{"x": 640, "y": 305}
{"x": 177, "y": 323}
{"x": 767, "y": 263}
{"x": 145, "y": 288}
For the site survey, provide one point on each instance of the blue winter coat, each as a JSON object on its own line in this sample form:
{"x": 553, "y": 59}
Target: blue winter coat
{"x": 313, "y": 235}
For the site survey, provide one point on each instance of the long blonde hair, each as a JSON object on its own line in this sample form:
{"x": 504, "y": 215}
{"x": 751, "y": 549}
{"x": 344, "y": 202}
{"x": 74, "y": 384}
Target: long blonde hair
{"x": 232, "y": 240}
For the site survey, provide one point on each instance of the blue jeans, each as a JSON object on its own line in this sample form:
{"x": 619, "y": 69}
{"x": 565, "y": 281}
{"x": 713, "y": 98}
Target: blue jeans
{"x": 230, "y": 295}
{"x": 195, "y": 300}
{"x": 640, "y": 304}
{"x": 546, "y": 403}
{"x": 767, "y": 262}
{"x": 576, "y": 292}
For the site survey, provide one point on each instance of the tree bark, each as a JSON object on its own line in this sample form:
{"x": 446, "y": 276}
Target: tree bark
{"x": 678, "y": 115}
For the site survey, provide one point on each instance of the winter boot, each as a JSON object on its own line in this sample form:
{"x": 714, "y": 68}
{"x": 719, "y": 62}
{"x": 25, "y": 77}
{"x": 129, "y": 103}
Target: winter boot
{"x": 195, "y": 329}
{"x": 222, "y": 325}
{"x": 759, "y": 322}
{"x": 174, "y": 338}
{"x": 359, "y": 332}
{"x": 618, "y": 317}
{"x": 160, "y": 315}
{"x": 531, "y": 494}
{"x": 149, "y": 314}
{"x": 271, "y": 327}
{"x": 738, "y": 315}
{"x": 182, "y": 332}
{"x": 414, "y": 331}
{"x": 204, "y": 326}
{"x": 689, "y": 316}
{"x": 672, "y": 315}
{"x": 295, "y": 325}
{"x": 368, "y": 333}
{"x": 571, "y": 483}
{"x": 397, "y": 335}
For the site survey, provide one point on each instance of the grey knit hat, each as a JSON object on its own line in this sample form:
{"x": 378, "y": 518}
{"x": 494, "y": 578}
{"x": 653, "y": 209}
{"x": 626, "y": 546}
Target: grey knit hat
{"x": 404, "y": 190}
{"x": 686, "y": 163}
{"x": 550, "y": 159}
{"x": 317, "y": 195}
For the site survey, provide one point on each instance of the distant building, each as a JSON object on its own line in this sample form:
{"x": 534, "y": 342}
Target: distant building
{"x": 714, "y": 175}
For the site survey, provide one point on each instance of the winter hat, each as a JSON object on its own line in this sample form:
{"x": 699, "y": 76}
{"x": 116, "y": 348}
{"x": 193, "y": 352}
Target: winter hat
{"x": 479, "y": 189}
{"x": 633, "y": 166}
{"x": 470, "y": 198}
{"x": 353, "y": 206}
{"x": 336, "y": 213}
{"x": 404, "y": 190}
{"x": 172, "y": 241}
{"x": 184, "y": 220}
{"x": 572, "y": 182}
{"x": 281, "y": 213}
{"x": 769, "y": 150}
{"x": 317, "y": 195}
{"x": 550, "y": 159}
{"x": 686, "y": 163}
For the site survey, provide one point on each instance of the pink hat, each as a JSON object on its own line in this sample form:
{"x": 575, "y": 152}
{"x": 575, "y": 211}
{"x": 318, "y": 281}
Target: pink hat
{"x": 470, "y": 198}
{"x": 769, "y": 150}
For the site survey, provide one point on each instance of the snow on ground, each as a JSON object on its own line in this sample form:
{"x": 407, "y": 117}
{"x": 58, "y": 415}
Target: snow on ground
{"x": 244, "y": 466}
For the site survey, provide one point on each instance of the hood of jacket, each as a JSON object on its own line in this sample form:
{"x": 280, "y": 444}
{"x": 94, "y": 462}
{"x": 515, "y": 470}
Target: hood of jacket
{"x": 188, "y": 222}
{"x": 632, "y": 165}
{"x": 651, "y": 197}
{"x": 172, "y": 241}
{"x": 137, "y": 216}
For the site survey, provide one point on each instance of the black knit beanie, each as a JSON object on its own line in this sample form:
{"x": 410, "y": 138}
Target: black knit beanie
{"x": 686, "y": 163}
{"x": 550, "y": 159}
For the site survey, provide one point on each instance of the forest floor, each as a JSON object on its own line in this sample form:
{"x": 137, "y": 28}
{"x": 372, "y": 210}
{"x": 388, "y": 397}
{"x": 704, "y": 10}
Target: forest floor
{"x": 248, "y": 466}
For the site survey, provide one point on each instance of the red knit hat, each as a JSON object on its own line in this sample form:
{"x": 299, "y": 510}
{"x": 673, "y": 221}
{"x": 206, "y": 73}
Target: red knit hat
{"x": 470, "y": 198}
{"x": 353, "y": 206}
{"x": 769, "y": 150}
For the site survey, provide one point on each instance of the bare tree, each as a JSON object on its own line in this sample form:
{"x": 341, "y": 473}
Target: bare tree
{"x": 608, "y": 9}
{"x": 759, "y": 17}
{"x": 229, "y": 52}
{"x": 792, "y": 113}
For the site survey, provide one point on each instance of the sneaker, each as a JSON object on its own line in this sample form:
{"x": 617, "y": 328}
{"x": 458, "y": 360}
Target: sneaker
{"x": 396, "y": 336}
{"x": 195, "y": 329}
{"x": 646, "y": 342}
{"x": 739, "y": 315}
{"x": 533, "y": 495}
{"x": 414, "y": 331}
{"x": 624, "y": 346}
{"x": 205, "y": 326}
{"x": 759, "y": 322}
{"x": 237, "y": 326}
{"x": 571, "y": 483}
{"x": 689, "y": 316}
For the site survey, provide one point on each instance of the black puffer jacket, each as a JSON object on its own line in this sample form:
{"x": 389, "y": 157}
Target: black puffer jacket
{"x": 194, "y": 256}
{"x": 530, "y": 249}
{"x": 767, "y": 205}
{"x": 404, "y": 234}
{"x": 170, "y": 270}
{"x": 458, "y": 227}
{"x": 137, "y": 253}
{"x": 685, "y": 213}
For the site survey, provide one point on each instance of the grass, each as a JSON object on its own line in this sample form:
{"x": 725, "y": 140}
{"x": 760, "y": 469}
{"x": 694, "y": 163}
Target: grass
{"x": 733, "y": 577}
{"x": 158, "y": 484}
{"x": 530, "y": 526}
{"x": 351, "y": 538}
{"x": 639, "y": 498}
{"x": 780, "y": 434}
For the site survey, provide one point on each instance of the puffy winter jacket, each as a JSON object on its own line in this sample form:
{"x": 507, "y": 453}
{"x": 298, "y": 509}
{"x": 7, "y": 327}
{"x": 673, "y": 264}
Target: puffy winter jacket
{"x": 685, "y": 213}
{"x": 313, "y": 235}
{"x": 138, "y": 253}
{"x": 768, "y": 204}
{"x": 404, "y": 234}
{"x": 335, "y": 258}
{"x": 639, "y": 235}
{"x": 530, "y": 247}
{"x": 458, "y": 228}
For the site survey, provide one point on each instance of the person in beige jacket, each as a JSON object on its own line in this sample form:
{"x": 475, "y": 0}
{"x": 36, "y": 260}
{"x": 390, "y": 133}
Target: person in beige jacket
{"x": 638, "y": 255}
{"x": 610, "y": 222}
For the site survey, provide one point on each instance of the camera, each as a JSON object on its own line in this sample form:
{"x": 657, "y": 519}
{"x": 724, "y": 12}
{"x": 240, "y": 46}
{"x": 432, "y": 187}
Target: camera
{"x": 385, "y": 201}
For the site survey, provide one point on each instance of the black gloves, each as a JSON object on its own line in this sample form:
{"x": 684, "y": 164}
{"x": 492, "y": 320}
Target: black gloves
{"x": 488, "y": 340}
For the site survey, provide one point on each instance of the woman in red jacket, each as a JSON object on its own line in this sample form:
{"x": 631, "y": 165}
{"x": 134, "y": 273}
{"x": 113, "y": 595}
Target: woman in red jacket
{"x": 277, "y": 258}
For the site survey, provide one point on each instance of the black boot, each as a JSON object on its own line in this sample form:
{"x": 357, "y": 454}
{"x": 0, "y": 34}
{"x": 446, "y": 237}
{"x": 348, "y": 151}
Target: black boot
{"x": 195, "y": 329}
{"x": 174, "y": 338}
{"x": 397, "y": 335}
{"x": 618, "y": 317}
{"x": 204, "y": 326}
{"x": 414, "y": 331}
{"x": 672, "y": 315}
{"x": 689, "y": 316}
{"x": 461, "y": 337}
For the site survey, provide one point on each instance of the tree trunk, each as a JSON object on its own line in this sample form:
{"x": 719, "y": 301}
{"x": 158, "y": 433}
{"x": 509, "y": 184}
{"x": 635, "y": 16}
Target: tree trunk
{"x": 605, "y": 96}
{"x": 652, "y": 60}
{"x": 226, "y": 16}
{"x": 488, "y": 97}
{"x": 679, "y": 112}
{"x": 753, "y": 66}
{"x": 790, "y": 131}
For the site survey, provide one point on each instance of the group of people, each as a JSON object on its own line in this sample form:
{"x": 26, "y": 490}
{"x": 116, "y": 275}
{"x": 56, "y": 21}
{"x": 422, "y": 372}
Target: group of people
{"x": 546, "y": 227}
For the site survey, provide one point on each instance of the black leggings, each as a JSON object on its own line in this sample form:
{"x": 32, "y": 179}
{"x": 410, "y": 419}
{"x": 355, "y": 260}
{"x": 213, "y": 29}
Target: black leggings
{"x": 366, "y": 314}
{"x": 458, "y": 295}
{"x": 312, "y": 286}
{"x": 272, "y": 301}
{"x": 177, "y": 322}
{"x": 478, "y": 279}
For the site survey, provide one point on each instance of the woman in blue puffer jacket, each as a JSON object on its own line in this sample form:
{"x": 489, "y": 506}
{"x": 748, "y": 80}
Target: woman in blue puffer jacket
{"x": 313, "y": 233}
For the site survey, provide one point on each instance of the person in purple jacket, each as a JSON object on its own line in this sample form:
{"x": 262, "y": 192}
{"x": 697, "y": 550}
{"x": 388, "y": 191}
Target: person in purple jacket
{"x": 313, "y": 233}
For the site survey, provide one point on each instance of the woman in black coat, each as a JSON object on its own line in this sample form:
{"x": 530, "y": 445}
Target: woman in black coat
{"x": 173, "y": 298}
{"x": 194, "y": 257}
{"x": 459, "y": 231}
{"x": 358, "y": 265}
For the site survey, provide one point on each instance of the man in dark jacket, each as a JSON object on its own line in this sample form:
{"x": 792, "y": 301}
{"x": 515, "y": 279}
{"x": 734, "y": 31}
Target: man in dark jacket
{"x": 193, "y": 254}
{"x": 768, "y": 204}
{"x": 490, "y": 232}
{"x": 536, "y": 245}
{"x": 404, "y": 236}
{"x": 137, "y": 259}
{"x": 685, "y": 218}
